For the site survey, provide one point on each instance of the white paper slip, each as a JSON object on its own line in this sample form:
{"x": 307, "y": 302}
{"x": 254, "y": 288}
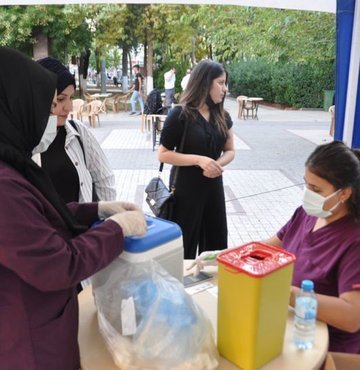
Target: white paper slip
{"x": 199, "y": 288}
{"x": 128, "y": 318}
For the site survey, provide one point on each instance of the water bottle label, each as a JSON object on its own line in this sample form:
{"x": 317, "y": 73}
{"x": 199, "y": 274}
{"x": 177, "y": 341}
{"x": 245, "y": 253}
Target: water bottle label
{"x": 305, "y": 308}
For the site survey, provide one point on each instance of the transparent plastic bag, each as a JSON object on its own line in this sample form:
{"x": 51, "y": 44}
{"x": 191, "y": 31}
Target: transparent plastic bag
{"x": 148, "y": 321}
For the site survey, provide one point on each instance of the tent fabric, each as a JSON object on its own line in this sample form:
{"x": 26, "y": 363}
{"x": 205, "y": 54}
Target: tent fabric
{"x": 347, "y": 100}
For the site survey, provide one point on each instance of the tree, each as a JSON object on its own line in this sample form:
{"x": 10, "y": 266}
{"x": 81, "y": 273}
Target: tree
{"x": 176, "y": 34}
{"x": 274, "y": 34}
{"x": 43, "y": 30}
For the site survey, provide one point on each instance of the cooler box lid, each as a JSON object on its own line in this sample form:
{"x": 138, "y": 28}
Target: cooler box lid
{"x": 255, "y": 259}
{"x": 159, "y": 231}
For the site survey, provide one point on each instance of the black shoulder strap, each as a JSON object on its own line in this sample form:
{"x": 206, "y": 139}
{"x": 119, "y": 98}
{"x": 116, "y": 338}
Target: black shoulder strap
{"x": 181, "y": 148}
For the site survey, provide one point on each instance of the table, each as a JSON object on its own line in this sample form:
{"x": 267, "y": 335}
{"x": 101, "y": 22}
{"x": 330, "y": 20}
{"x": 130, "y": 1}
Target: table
{"x": 253, "y": 106}
{"x": 95, "y": 356}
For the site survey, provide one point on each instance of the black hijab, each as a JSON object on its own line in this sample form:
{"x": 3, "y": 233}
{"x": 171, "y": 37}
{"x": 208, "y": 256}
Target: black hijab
{"x": 26, "y": 94}
{"x": 64, "y": 77}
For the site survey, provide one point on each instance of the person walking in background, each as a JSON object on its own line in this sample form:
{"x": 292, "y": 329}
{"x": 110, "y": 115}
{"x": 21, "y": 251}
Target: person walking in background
{"x": 46, "y": 247}
{"x": 169, "y": 78}
{"x": 137, "y": 88}
{"x": 74, "y": 161}
{"x": 324, "y": 235}
{"x": 208, "y": 146}
{"x": 185, "y": 79}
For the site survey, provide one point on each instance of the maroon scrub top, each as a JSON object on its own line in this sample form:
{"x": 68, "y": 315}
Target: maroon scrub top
{"x": 330, "y": 256}
{"x": 40, "y": 266}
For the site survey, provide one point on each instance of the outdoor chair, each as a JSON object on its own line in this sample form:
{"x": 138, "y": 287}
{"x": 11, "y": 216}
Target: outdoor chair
{"x": 124, "y": 100}
{"x": 92, "y": 111}
{"x": 77, "y": 105}
{"x": 241, "y": 99}
{"x": 113, "y": 102}
{"x": 88, "y": 97}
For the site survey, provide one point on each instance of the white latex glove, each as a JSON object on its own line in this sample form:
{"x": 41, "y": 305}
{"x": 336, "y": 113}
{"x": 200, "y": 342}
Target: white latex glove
{"x": 107, "y": 209}
{"x": 132, "y": 222}
{"x": 207, "y": 258}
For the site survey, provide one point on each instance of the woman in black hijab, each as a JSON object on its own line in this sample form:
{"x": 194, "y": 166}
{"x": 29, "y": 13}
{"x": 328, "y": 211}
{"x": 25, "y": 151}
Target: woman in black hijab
{"x": 44, "y": 252}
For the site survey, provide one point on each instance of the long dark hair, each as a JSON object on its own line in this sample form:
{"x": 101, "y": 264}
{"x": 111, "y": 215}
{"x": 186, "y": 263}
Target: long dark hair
{"x": 340, "y": 166}
{"x": 198, "y": 89}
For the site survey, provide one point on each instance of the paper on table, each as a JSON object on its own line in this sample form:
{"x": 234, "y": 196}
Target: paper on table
{"x": 199, "y": 288}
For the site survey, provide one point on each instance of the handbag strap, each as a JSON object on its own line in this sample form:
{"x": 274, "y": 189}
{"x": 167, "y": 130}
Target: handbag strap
{"x": 181, "y": 148}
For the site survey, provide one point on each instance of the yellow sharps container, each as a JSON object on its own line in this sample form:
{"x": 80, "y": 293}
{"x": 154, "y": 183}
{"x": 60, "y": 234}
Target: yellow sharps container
{"x": 254, "y": 289}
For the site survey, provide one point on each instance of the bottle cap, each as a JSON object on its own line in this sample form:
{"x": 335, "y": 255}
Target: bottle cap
{"x": 307, "y": 285}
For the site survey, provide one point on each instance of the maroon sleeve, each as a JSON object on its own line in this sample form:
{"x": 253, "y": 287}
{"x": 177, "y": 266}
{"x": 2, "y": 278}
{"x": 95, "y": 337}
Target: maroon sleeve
{"x": 36, "y": 245}
{"x": 349, "y": 270}
{"x": 85, "y": 213}
{"x": 281, "y": 233}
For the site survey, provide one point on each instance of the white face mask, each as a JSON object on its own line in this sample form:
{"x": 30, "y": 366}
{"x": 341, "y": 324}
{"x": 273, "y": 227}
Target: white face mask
{"x": 313, "y": 203}
{"x": 48, "y": 135}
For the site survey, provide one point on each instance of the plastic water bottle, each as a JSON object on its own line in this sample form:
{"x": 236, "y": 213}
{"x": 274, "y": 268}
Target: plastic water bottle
{"x": 305, "y": 316}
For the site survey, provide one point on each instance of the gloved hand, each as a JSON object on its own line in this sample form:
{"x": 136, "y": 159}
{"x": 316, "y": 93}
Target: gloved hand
{"x": 132, "y": 222}
{"x": 109, "y": 208}
{"x": 207, "y": 258}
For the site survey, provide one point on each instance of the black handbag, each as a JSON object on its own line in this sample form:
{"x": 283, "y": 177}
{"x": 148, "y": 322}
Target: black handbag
{"x": 159, "y": 197}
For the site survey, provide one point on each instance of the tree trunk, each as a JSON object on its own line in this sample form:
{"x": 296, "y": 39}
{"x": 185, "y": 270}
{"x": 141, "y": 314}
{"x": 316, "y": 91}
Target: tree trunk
{"x": 193, "y": 57}
{"x": 210, "y": 51}
{"x": 83, "y": 70}
{"x": 41, "y": 46}
{"x": 103, "y": 76}
{"x": 149, "y": 61}
{"x": 125, "y": 82}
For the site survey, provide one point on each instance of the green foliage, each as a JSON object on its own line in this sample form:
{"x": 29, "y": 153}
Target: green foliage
{"x": 256, "y": 43}
{"x": 65, "y": 27}
{"x": 252, "y": 78}
{"x": 238, "y": 32}
{"x": 180, "y": 73}
{"x": 296, "y": 85}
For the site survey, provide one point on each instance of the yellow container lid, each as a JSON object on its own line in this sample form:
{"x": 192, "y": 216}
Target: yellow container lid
{"x": 255, "y": 259}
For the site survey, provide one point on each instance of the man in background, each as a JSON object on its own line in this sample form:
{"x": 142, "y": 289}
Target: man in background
{"x": 136, "y": 88}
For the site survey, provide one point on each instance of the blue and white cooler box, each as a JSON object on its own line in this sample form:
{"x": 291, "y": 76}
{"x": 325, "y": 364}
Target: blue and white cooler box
{"x": 162, "y": 242}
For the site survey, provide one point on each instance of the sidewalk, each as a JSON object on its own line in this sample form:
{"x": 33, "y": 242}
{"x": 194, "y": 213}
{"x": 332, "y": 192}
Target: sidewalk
{"x": 261, "y": 184}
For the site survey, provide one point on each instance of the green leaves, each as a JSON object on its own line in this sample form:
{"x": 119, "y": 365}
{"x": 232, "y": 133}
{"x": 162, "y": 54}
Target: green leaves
{"x": 180, "y": 34}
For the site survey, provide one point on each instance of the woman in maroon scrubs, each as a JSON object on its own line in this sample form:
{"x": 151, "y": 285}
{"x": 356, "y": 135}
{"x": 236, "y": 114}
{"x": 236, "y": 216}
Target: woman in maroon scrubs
{"x": 46, "y": 248}
{"x": 324, "y": 235}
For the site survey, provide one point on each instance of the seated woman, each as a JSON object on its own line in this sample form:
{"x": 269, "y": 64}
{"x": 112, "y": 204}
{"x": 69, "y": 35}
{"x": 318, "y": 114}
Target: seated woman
{"x": 324, "y": 235}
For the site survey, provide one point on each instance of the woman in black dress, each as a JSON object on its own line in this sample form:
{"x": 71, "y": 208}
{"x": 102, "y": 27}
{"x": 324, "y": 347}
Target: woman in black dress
{"x": 208, "y": 147}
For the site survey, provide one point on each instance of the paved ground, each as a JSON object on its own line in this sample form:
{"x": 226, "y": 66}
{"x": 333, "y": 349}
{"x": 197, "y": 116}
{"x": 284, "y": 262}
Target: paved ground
{"x": 261, "y": 184}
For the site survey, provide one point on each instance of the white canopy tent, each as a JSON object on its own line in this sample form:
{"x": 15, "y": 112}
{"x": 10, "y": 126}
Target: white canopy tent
{"x": 347, "y": 54}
